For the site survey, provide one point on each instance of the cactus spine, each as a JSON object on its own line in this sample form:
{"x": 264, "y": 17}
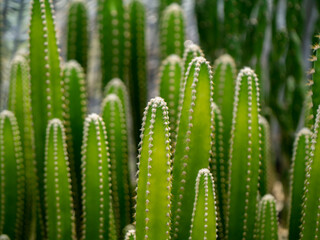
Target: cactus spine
{"x": 11, "y": 177}
{"x": 130, "y": 235}
{"x": 170, "y": 78}
{"x": 98, "y": 219}
{"x": 58, "y": 194}
{"x": 172, "y": 33}
{"x": 154, "y": 175}
{"x": 267, "y": 221}
{"x": 245, "y": 155}
{"x": 191, "y": 51}
{"x": 204, "y": 220}
{"x": 114, "y": 117}
{"x": 298, "y": 175}
{"x": 193, "y": 144}
{"x": 77, "y": 48}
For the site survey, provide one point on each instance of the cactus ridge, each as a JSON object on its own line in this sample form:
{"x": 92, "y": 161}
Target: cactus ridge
{"x": 58, "y": 194}
{"x": 191, "y": 51}
{"x": 314, "y": 83}
{"x": 11, "y": 168}
{"x": 204, "y": 220}
{"x": 154, "y": 174}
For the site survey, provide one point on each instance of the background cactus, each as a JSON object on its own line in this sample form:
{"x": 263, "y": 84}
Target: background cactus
{"x": 191, "y": 51}
{"x": 154, "y": 175}
{"x": 315, "y": 79}
{"x": 12, "y": 180}
{"x": 203, "y": 222}
{"x": 58, "y": 193}
{"x": 245, "y": 157}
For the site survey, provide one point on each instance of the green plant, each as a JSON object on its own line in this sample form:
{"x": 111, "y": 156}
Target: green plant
{"x": 130, "y": 235}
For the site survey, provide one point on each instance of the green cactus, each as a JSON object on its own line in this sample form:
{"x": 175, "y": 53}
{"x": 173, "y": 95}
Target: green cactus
{"x": 78, "y": 36}
{"x": 193, "y": 143}
{"x": 245, "y": 157}
{"x": 172, "y": 32}
{"x": 138, "y": 64}
{"x": 114, "y": 117}
{"x": 98, "y": 218}
{"x": 204, "y": 220}
{"x": 130, "y": 235}
{"x": 12, "y": 181}
{"x": 191, "y": 51}
{"x": 57, "y": 178}
{"x": 170, "y": 78}
{"x": 19, "y": 103}
{"x": 165, "y": 3}
{"x": 315, "y": 84}
{"x": 114, "y": 39}
{"x": 295, "y": 16}
{"x": 154, "y": 175}
{"x": 298, "y": 175}
{"x": 267, "y": 220}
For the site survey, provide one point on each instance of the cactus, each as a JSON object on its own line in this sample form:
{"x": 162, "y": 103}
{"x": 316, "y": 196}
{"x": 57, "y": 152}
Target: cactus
{"x": 19, "y": 103}
{"x": 193, "y": 142}
{"x": 165, "y": 3}
{"x": 98, "y": 218}
{"x": 77, "y": 43}
{"x": 114, "y": 117}
{"x": 172, "y": 33}
{"x": 191, "y": 51}
{"x": 295, "y": 16}
{"x": 170, "y": 78}
{"x": 298, "y": 175}
{"x": 138, "y": 64}
{"x": 315, "y": 79}
{"x": 204, "y": 220}
{"x": 130, "y": 235}
{"x": 57, "y": 178}
{"x": 245, "y": 157}
{"x": 154, "y": 174}
{"x": 12, "y": 179}
{"x": 267, "y": 221}
{"x": 114, "y": 36}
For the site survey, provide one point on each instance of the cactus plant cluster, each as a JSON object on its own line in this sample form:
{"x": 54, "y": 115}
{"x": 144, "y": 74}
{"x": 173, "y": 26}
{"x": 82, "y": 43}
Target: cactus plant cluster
{"x": 196, "y": 162}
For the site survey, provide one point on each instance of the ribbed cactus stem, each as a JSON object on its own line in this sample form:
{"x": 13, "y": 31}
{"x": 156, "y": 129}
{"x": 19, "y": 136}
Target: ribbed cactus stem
{"x": 170, "y": 78}
{"x": 193, "y": 144}
{"x": 12, "y": 179}
{"x": 57, "y": 177}
{"x": 172, "y": 32}
{"x": 299, "y": 165}
{"x": 315, "y": 83}
{"x": 130, "y": 235}
{"x": 78, "y": 36}
{"x": 114, "y": 117}
{"x": 204, "y": 216}
{"x": 191, "y": 51}
{"x": 154, "y": 174}
{"x": 245, "y": 157}
{"x": 98, "y": 218}
{"x": 267, "y": 220}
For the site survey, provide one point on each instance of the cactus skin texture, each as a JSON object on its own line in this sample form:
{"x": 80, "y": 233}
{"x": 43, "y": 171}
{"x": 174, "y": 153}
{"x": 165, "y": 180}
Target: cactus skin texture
{"x": 245, "y": 157}
{"x": 170, "y": 78}
{"x": 19, "y": 103}
{"x": 130, "y": 235}
{"x": 267, "y": 220}
{"x": 138, "y": 64}
{"x": 172, "y": 32}
{"x": 98, "y": 217}
{"x": 12, "y": 179}
{"x": 114, "y": 117}
{"x": 193, "y": 144}
{"x": 298, "y": 175}
{"x": 204, "y": 220}
{"x": 315, "y": 78}
{"x": 114, "y": 36}
{"x": 58, "y": 193}
{"x": 154, "y": 174}
{"x": 78, "y": 36}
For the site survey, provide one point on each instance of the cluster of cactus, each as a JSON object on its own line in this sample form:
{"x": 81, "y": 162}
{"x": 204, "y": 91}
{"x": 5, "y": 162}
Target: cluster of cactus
{"x": 204, "y": 160}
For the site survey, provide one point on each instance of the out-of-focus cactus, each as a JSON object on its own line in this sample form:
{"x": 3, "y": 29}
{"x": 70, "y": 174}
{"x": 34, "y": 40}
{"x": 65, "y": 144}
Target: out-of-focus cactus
{"x": 165, "y": 3}
{"x": 191, "y": 51}
{"x": 245, "y": 157}
{"x": 315, "y": 84}
{"x": 114, "y": 40}
{"x": 295, "y": 17}
{"x": 130, "y": 235}
{"x": 78, "y": 36}
{"x": 267, "y": 220}
{"x": 138, "y": 72}
{"x": 299, "y": 165}
{"x": 12, "y": 180}
{"x": 204, "y": 217}
{"x": 172, "y": 32}
{"x": 194, "y": 142}
{"x": 154, "y": 175}
{"x": 98, "y": 218}
{"x": 57, "y": 178}
{"x": 114, "y": 117}
{"x": 170, "y": 78}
